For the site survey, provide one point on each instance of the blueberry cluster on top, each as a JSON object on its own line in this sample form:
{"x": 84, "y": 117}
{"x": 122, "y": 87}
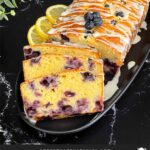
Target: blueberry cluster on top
{"x": 92, "y": 19}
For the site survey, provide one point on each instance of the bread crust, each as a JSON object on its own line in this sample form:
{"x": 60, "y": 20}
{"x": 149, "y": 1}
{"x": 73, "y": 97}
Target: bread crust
{"x": 50, "y": 48}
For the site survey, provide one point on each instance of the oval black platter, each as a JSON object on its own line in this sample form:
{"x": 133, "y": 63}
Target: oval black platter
{"x": 138, "y": 53}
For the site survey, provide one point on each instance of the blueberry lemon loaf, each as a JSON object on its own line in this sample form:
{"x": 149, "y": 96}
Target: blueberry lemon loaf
{"x": 62, "y": 95}
{"x": 110, "y": 26}
{"x": 47, "y": 64}
{"x": 57, "y": 48}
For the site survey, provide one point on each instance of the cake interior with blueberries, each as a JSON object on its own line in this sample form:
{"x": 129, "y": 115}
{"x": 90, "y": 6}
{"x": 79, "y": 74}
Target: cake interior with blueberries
{"x": 63, "y": 95}
{"x": 53, "y": 63}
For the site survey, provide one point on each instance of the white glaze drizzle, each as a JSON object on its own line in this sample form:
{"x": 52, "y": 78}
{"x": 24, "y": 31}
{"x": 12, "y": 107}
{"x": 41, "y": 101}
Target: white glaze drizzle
{"x": 144, "y": 25}
{"x": 76, "y": 7}
{"x": 136, "y": 39}
{"x": 131, "y": 64}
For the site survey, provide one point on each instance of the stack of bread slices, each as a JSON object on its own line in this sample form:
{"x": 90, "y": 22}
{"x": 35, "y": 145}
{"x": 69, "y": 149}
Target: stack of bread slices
{"x": 61, "y": 81}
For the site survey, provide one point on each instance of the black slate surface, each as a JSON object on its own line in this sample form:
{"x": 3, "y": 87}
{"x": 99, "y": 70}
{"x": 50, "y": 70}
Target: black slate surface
{"x": 128, "y": 122}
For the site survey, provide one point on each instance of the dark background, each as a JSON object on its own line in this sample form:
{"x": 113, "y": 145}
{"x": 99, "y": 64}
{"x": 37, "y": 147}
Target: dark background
{"x": 127, "y": 123}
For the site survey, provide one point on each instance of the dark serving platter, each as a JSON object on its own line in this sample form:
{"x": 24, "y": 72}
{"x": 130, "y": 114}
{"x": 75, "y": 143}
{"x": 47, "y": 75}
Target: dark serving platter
{"x": 138, "y": 53}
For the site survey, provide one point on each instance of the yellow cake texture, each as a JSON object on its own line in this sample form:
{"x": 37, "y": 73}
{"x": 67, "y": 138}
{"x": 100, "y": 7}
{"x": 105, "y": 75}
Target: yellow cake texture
{"x": 62, "y": 95}
{"x": 47, "y": 64}
{"x": 119, "y": 22}
{"x": 57, "y": 48}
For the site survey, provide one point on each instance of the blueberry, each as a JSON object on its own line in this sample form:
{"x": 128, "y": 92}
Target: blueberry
{"x": 45, "y": 82}
{"x": 119, "y": 14}
{"x": 98, "y": 106}
{"x": 35, "y": 60}
{"x": 90, "y": 64}
{"x": 27, "y": 57}
{"x": 98, "y": 21}
{"x": 106, "y": 5}
{"x": 86, "y": 36}
{"x": 32, "y": 85}
{"x": 64, "y": 37}
{"x": 73, "y": 63}
{"x": 35, "y": 53}
{"x": 113, "y": 22}
{"x": 35, "y": 104}
{"x": 88, "y": 16}
{"x": 27, "y": 51}
{"x": 31, "y": 110}
{"x": 69, "y": 94}
{"x": 47, "y": 105}
{"x": 87, "y": 76}
{"x": 31, "y": 54}
{"x": 49, "y": 81}
{"x": 96, "y": 15}
{"x": 67, "y": 110}
{"x": 92, "y": 20}
{"x": 89, "y": 25}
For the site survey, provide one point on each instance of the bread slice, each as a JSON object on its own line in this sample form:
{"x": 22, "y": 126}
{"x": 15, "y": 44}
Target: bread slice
{"x": 47, "y": 64}
{"x": 121, "y": 20}
{"x": 62, "y": 95}
{"x": 57, "y": 48}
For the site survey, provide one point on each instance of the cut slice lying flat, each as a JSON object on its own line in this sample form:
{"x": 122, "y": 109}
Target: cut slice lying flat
{"x": 63, "y": 95}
